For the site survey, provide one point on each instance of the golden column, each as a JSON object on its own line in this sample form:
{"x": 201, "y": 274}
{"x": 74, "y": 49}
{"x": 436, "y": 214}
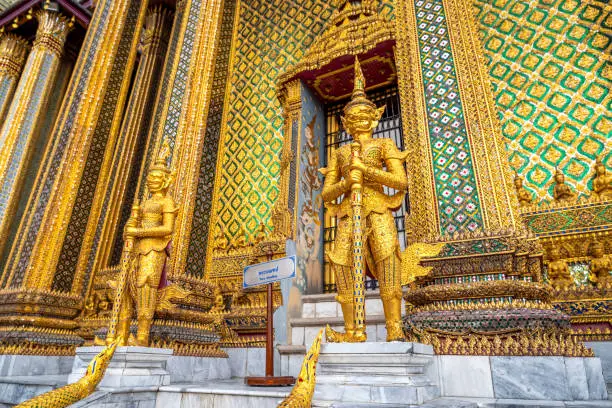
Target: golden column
{"x": 128, "y": 152}
{"x": 90, "y": 119}
{"x": 13, "y": 51}
{"x": 21, "y": 130}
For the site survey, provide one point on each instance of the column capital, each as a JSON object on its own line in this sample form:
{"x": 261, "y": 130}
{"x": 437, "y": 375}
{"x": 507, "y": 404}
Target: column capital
{"x": 53, "y": 29}
{"x": 13, "y": 51}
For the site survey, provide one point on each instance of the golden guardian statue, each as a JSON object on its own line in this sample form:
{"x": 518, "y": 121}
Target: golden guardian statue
{"x": 147, "y": 237}
{"x": 358, "y": 174}
{"x": 602, "y": 184}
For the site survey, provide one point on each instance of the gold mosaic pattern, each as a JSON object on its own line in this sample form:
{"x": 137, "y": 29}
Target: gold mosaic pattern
{"x": 551, "y": 70}
{"x": 272, "y": 35}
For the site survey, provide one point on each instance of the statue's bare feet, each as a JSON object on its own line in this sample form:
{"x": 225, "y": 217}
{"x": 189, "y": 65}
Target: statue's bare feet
{"x": 333, "y": 336}
{"x": 395, "y": 332}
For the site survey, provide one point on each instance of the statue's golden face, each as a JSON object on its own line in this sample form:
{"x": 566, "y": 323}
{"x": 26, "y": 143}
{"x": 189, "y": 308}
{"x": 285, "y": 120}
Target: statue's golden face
{"x": 598, "y": 251}
{"x": 518, "y": 182}
{"x": 361, "y": 119}
{"x": 560, "y": 178}
{"x": 156, "y": 180}
{"x": 554, "y": 254}
{"x": 600, "y": 169}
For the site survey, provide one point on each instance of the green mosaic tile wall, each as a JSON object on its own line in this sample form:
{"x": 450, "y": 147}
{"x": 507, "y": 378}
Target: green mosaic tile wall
{"x": 272, "y": 36}
{"x": 551, "y": 70}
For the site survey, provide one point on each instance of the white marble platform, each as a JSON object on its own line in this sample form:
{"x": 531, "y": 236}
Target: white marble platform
{"x": 603, "y": 350}
{"x": 528, "y": 378}
{"x": 446, "y": 402}
{"x": 389, "y": 373}
{"x": 23, "y": 365}
{"x": 190, "y": 369}
{"x": 246, "y": 362}
{"x": 220, "y": 394}
{"x": 130, "y": 366}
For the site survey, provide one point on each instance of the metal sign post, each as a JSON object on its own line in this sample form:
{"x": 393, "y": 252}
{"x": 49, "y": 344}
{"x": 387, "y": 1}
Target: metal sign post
{"x": 267, "y": 273}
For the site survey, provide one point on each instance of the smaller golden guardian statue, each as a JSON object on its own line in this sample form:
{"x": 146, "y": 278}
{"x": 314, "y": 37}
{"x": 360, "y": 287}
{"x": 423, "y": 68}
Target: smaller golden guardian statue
{"x": 562, "y": 191}
{"x": 600, "y": 266}
{"x": 147, "y": 237}
{"x": 524, "y": 196}
{"x": 602, "y": 184}
{"x": 558, "y": 271}
{"x": 367, "y": 235}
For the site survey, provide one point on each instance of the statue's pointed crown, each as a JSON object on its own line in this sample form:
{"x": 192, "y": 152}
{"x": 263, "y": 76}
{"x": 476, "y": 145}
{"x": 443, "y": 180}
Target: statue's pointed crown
{"x": 161, "y": 161}
{"x": 359, "y": 96}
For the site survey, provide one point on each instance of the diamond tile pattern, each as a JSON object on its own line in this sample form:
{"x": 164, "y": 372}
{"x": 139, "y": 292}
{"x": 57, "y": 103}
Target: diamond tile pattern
{"x": 551, "y": 70}
{"x": 200, "y": 227}
{"x": 272, "y": 35}
{"x": 456, "y": 191}
{"x": 66, "y": 266}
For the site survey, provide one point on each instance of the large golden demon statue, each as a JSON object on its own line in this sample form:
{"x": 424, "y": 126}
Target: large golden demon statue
{"x": 357, "y": 174}
{"x": 147, "y": 237}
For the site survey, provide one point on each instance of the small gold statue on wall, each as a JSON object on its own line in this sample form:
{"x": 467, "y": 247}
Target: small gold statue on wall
{"x": 366, "y": 228}
{"x": 241, "y": 239}
{"x": 600, "y": 266}
{"x": 147, "y": 237}
{"x": 602, "y": 184}
{"x": 261, "y": 234}
{"x": 562, "y": 191}
{"x": 558, "y": 270}
{"x": 221, "y": 243}
{"x": 524, "y": 196}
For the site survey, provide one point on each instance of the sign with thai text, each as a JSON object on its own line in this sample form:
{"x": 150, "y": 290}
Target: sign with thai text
{"x": 268, "y": 272}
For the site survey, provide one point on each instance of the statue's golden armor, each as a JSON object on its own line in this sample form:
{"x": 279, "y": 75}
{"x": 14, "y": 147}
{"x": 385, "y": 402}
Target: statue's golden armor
{"x": 148, "y": 232}
{"x": 380, "y": 164}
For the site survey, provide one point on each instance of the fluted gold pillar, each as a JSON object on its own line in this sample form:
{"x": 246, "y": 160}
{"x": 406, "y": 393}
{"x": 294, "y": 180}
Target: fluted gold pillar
{"x": 20, "y": 132}
{"x": 13, "y": 52}
{"x": 89, "y": 120}
{"x": 128, "y": 152}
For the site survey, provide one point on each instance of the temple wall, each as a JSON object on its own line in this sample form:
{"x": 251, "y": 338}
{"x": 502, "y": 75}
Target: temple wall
{"x": 553, "y": 97}
{"x": 551, "y": 73}
{"x": 271, "y": 37}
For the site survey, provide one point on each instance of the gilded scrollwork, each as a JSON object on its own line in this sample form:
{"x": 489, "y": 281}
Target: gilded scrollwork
{"x": 538, "y": 342}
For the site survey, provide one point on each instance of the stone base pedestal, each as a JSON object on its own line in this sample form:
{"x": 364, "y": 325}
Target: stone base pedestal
{"x": 130, "y": 367}
{"x": 524, "y": 378}
{"x": 381, "y": 373}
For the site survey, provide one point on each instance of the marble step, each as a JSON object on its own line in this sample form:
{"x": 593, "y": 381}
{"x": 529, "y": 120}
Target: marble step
{"x": 446, "y": 402}
{"x": 325, "y": 305}
{"x": 437, "y": 403}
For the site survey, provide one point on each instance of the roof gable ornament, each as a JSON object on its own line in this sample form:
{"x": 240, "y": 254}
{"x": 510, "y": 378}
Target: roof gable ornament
{"x": 355, "y": 28}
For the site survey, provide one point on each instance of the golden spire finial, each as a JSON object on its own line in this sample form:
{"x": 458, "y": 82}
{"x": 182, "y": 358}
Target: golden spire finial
{"x": 161, "y": 162}
{"x": 359, "y": 96}
{"x": 360, "y": 83}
